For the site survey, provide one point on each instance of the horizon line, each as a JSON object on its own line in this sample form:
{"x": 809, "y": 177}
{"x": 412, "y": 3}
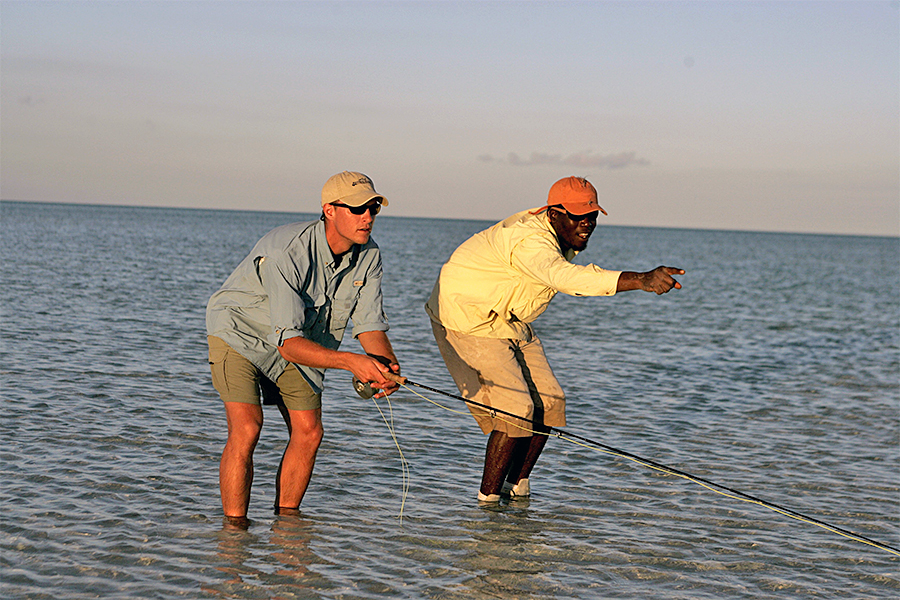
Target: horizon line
{"x": 491, "y": 221}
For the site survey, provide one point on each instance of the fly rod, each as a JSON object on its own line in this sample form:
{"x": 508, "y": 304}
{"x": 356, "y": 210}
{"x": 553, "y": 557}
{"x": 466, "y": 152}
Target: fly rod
{"x": 562, "y": 434}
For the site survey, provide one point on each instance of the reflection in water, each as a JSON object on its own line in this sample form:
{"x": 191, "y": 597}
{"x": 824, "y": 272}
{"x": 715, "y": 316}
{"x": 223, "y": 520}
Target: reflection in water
{"x": 279, "y": 564}
{"x": 232, "y": 555}
{"x": 506, "y": 552}
{"x": 291, "y": 535}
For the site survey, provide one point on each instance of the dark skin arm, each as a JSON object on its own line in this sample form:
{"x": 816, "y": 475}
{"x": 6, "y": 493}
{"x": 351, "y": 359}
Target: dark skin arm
{"x": 573, "y": 233}
{"x": 659, "y": 280}
{"x": 368, "y": 367}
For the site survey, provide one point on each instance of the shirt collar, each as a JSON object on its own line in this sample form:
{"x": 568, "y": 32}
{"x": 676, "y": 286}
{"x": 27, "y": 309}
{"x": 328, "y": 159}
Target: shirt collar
{"x": 324, "y": 250}
{"x": 544, "y": 219}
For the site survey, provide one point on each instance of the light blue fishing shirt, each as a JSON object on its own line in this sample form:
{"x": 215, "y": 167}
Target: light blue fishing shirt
{"x": 288, "y": 286}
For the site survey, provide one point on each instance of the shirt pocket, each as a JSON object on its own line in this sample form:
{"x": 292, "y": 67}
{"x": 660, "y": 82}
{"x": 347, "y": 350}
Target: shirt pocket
{"x": 343, "y": 307}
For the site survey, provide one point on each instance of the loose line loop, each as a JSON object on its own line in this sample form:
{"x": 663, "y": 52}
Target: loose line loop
{"x": 404, "y": 464}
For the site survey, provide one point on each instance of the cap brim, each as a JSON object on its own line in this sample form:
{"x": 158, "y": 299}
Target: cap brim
{"x": 582, "y": 208}
{"x": 363, "y": 198}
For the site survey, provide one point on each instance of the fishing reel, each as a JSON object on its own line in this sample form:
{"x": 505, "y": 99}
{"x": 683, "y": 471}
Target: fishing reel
{"x": 363, "y": 388}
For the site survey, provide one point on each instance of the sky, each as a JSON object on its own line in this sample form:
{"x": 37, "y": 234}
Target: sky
{"x": 765, "y": 116}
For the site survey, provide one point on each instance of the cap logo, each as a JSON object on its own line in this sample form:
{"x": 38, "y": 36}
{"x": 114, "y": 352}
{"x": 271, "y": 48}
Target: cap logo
{"x": 362, "y": 181}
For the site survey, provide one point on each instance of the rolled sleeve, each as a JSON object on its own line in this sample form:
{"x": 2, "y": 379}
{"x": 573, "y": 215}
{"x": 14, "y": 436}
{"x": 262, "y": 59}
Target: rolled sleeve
{"x": 540, "y": 259}
{"x": 279, "y": 336}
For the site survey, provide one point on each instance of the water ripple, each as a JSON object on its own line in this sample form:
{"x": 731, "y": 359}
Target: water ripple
{"x": 112, "y": 433}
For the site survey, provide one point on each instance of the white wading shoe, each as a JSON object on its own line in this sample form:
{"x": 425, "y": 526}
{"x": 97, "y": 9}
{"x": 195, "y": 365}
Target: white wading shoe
{"x": 520, "y": 490}
{"x": 488, "y": 497}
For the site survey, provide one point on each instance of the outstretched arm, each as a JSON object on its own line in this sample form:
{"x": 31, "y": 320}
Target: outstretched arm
{"x": 659, "y": 280}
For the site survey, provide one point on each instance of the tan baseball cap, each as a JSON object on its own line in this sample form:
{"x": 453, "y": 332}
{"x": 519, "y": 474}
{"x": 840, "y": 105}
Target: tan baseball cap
{"x": 350, "y": 188}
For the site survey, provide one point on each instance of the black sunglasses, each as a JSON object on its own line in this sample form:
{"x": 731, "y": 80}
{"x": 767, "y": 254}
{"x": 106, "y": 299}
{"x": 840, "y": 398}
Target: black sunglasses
{"x": 591, "y": 216}
{"x": 373, "y": 209}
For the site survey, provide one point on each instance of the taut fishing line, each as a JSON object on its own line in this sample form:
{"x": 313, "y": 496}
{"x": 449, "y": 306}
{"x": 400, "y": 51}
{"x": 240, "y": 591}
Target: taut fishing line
{"x": 594, "y": 445}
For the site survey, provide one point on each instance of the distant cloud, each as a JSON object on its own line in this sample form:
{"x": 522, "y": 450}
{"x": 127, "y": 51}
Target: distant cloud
{"x": 60, "y": 67}
{"x": 30, "y": 100}
{"x": 585, "y": 160}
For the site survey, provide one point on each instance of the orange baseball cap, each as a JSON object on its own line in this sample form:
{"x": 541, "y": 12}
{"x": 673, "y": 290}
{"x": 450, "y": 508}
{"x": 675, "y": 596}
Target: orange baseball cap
{"x": 575, "y": 194}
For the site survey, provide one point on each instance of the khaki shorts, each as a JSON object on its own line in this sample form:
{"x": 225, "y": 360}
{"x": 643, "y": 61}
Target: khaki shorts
{"x": 509, "y": 375}
{"x": 238, "y": 380}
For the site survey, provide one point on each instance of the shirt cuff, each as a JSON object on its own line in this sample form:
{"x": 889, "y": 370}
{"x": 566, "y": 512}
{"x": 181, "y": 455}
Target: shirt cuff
{"x": 282, "y": 334}
{"x": 358, "y": 329}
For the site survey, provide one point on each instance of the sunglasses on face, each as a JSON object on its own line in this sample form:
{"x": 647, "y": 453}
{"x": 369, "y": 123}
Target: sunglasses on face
{"x": 373, "y": 209}
{"x": 591, "y": 216}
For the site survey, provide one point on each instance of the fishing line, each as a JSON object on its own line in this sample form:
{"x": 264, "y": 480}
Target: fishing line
{"x": 404, "y": 464}
{"x": 595, "y": 445}
{"x": 366, "y": 391}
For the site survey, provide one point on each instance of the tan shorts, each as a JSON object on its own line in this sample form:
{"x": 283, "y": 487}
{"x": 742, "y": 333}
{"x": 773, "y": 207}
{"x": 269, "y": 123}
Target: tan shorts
{"x": 509, "y": 375}
{"x": 239, "y": 380}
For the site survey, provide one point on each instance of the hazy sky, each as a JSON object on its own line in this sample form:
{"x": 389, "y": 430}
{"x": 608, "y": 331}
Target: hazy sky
{"x": 776, "y": 116}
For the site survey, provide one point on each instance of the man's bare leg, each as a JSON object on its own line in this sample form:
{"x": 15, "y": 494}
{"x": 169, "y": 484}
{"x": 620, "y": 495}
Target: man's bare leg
{"x": 526, "y": 456}
{"x": 296, "y": 468}
{"x": 497, "y": 459}
{"x": 236, "y": 466}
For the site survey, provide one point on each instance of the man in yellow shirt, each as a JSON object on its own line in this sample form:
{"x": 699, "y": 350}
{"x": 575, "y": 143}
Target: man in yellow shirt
{"x": 494, "y": 286}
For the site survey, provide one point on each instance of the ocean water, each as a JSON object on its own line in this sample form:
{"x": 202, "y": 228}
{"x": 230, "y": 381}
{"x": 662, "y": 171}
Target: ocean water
{"x": 774, "y": 371}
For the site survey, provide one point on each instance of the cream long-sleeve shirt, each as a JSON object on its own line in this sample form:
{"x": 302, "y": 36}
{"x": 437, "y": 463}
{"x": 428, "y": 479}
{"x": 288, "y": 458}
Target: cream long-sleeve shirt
{"x": 503, "y": 278}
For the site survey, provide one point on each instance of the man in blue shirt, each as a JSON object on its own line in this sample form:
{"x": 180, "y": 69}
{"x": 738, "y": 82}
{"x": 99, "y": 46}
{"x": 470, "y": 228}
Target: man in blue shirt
{"x": 276, "y": 325}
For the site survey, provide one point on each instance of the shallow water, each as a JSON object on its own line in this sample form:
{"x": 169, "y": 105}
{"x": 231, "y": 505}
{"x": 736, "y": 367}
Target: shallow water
{"x": 775, "y": 371}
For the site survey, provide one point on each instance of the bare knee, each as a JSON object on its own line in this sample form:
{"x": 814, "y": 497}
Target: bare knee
{"x": 306, "y": 428}
{"x": 244, "y": 426}
{"x": 310, "y": 435}
{"x": 244, "y": 436}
